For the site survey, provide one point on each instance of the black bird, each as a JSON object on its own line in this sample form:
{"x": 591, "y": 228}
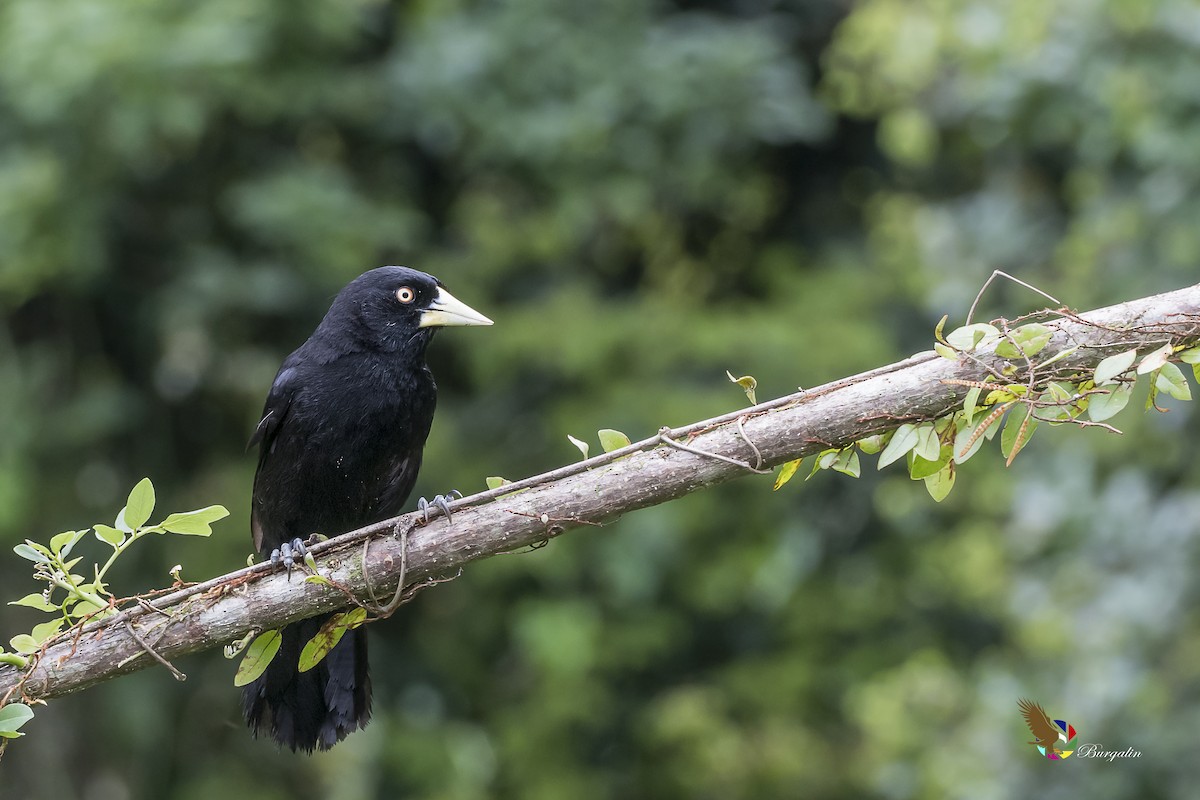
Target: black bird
{"x": 340, "y": 445}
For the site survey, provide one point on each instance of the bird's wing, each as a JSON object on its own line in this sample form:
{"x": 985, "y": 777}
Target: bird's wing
{"x": 1038, "y": 721}
{"x": 279, "y": 401}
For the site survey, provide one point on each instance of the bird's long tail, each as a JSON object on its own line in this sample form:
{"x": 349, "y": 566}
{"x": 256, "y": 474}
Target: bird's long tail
{"x": 317, "y": 708}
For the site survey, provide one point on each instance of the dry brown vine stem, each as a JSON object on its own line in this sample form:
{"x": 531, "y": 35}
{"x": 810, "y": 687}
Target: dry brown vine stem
{"x": 663, "y": 467}
{"x": 1001, "y": 274}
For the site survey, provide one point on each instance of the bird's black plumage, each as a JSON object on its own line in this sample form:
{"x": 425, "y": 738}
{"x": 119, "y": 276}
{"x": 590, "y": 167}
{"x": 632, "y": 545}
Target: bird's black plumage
{"x": 340, "y": 445}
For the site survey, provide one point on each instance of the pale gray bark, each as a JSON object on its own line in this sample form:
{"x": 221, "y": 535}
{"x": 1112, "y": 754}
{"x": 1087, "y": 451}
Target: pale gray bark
{"x": 591, "y": 492}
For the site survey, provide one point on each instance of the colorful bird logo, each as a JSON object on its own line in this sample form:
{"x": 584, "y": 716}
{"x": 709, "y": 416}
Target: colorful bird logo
{"x": 1047, "y": 733}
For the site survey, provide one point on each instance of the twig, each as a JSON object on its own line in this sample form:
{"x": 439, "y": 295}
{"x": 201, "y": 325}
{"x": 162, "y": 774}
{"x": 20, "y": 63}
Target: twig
{"x": 146, "y": 604}
{"x": 179, "y": 676}
{"x": 999, "y": 273}
{"x": 664, "y": 437}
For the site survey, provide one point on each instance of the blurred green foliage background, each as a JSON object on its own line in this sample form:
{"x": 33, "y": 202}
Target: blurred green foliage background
{"x": 642, "y": 195}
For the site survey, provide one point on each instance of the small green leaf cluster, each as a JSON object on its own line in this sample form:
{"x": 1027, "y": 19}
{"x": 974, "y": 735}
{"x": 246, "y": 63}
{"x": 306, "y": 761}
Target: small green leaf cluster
{"x": 1015, "y": 343}
{"x": 927, "y": 447}
{"x": 263, "y": 649}
{"x": 73, "y": 598}
{"x": 933, "y": 449}
{"x": 609, "y": 440}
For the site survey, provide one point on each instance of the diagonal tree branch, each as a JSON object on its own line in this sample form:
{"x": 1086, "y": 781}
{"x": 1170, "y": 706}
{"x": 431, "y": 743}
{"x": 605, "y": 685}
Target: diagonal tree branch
{"x": 656, "y": 470}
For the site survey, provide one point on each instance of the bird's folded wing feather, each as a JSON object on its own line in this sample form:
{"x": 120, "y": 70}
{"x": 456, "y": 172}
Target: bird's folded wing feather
{"x": 274, "y": 411}
{"x": 1038, "y": 721}
{"x": 279, "y": 401}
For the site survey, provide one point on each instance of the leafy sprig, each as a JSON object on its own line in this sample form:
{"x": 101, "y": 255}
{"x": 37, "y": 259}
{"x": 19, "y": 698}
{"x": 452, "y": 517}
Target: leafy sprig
{"x": 1024, "y": 394}
{"x": 73, "y": 599}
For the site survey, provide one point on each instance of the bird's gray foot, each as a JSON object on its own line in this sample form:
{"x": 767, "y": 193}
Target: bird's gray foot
{"x": 441, "y": 501}
{"x": 287, "y": 553}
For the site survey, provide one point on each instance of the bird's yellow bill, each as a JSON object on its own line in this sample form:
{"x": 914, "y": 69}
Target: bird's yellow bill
{"x": 446, "y": 310}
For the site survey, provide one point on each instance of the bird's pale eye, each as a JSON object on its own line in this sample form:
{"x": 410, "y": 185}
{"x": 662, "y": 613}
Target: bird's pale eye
{"x": 406, "y": 294}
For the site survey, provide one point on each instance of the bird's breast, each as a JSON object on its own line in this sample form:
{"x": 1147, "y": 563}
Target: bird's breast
{"x": 347, "y": 454}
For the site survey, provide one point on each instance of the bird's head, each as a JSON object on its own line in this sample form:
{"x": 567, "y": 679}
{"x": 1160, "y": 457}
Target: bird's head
{"x": 396, "y": 309}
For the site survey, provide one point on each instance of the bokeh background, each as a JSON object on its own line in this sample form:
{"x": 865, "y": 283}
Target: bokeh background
{"x": 642, "y": 195}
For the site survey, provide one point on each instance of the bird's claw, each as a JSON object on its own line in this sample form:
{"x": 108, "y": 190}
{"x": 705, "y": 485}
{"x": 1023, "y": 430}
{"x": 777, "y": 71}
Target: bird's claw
{"x": 287, "y": 553}
{"x": 441, "y": 501}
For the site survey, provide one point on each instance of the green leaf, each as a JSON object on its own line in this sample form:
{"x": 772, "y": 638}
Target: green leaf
{"x": 1104, "y": 406}
{"x": 903, "y": 440}
{"x": 108, "y": 534}
{"x": 1029, "y": 339}
{"x": 140, "y": 504}
{"x": 61, "y": 543}
{"x": 34, "y": 601}
{"x": 824, "y": 460}
{"x": 1111, "y": 367}
{"x": 1059, "y": 356}
{"x": 940, "y": 483}
{"x": 964, "y": 435}
{"x": 583, "y": 447}
{"x": 194, "y": 523}
{"x": 330, "y": 634}
{"x": 1171, "y": 381}
{"x": 997, "y": 396}
{"x": 1153, "y": 360}
{"x": 32, "y": 552}
{"x": 85, "y": 608}
{"x": 495, "y": 481}
{"x": 748, "y": 385}
{"x": 13, "y": 660}
{"x": 612, "y": 440}
{"x": 969, "y": 337}
{"x": 1009, "y": 393}
{"x": 1016, "y": 433}
{"x": 937, "y": 331}
{"x": 948, "y": 353}
{"x": 258, "y": 656}
{"x": 872, "y": 444}
{"x": 927, "y": 447}
{"x": 1063, "y": 394}
{"x": 786, "y": 472}
{"x": 847, "y": 463}
{"x": 919, "y": 467}
{"x": 1190, "y": 356}
{"x": 1052, "y": 415}
{"x": 12, "y": 717}
{"x": 44, "y": 631}
{"x": 24, "y": 643}
{"x": 970, "y": 403}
